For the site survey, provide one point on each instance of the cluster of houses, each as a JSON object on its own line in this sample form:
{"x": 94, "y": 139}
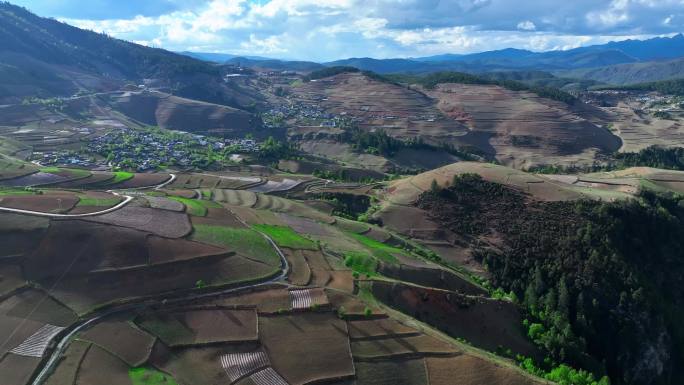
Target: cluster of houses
{"x": 63, "y": 158}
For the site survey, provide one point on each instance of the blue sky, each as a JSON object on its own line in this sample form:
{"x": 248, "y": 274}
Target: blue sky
{"x": 324, "y": 30}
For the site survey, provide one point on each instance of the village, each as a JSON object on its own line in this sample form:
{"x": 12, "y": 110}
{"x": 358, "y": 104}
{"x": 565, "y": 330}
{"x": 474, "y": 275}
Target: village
{"x": 146, "y": 150}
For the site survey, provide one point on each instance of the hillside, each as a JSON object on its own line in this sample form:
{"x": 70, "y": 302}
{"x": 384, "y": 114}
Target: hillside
{"x": 44, "y": 57}
{"x": 631, "y": 73}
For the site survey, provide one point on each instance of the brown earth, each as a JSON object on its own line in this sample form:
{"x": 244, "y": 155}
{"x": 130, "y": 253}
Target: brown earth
{"x": 307, "y": 347}
{"x": 175, "y": 113}
{"x": 469, "y": 370}
{"x": 164, "y": 223}
{"x": 121, "y": 338}
{"x": 98, "y": 364}
{"x": 486, "y": 323}
{"x": 67, "y": 368}
{"x": 17, "y": 370}
{"x": 395, "y": 372}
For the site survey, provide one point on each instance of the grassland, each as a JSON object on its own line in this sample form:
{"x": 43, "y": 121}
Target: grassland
{"x": 121, "y": 176}
{"x": 286, "y": 237}
{"x": 245, "y": 241}
{"x": 150, "y": 376}
{"x": 196, "y": 207}
{"x": 380, "y": 250}
{"x": 72, "y": 173}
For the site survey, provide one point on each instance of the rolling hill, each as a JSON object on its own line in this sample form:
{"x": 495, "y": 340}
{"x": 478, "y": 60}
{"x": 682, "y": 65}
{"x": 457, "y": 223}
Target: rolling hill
{"x": 42, "y": 57}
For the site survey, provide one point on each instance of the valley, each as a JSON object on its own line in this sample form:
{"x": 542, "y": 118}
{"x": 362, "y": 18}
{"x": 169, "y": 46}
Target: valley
{"x": 203, "y": 218}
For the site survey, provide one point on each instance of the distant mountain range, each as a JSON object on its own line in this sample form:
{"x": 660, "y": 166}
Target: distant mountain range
{"x": 616, "y": 62}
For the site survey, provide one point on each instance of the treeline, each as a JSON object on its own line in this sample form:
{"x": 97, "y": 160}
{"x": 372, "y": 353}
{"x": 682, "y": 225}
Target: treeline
{"x": 600, "y": 282}
{"x": 380, "y": 143}
{"x": 653, "y": 156}
{"x": 670, "y": 87}
{"x": 329, "y": 71}
{"x": 431, "y": 80}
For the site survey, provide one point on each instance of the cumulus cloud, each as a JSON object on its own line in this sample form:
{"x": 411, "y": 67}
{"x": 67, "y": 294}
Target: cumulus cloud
{"x": 527, "y": 26}
{"x": 331, "y": 29}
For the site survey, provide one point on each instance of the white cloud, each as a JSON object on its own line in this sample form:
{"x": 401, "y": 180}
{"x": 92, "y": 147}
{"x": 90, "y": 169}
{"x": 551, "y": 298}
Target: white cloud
{"x": 332, "y": 29}
{"x": 527, "y": 26}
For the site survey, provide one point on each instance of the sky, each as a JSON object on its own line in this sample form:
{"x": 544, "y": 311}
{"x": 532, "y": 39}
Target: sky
{"x": 325, "y": 30}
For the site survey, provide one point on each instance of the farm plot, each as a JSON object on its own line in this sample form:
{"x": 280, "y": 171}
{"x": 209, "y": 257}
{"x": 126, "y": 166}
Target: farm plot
{"x": 164, "y": 203}
{"x": 274, "y": 186}
{"x": 286, "y": 237}
{"x": 14, "y": 331}
{"x": 202, "y": 326}
{"x": 10, "y": 279}
{"x": 300, "y": 273}
{"x": 304, "y": 225}
{"x": 237, "y": 182}
{"x": 469, "y": 370}
{"x": 45, "y": 203}
{"x": 98, "y": 364}
{"x": 35, "y": 179}
{"x": 257, "y": 217}
{"x": 401, "y": 347}
{"x": 65, "y": 372}
{"x": 239, "y": 365}
{"x": 126, "y": 181}
{"x": 266, "y": 376}
{"x": 486, "y": 323}
{"x": 83, "y": 293}
{"x": 24, "y": 223}
{"x": 234, "y": 197}
{"x": 78, "y": 247}
{"x": 17, "y": 370}
{"x": 307, "y": 347}
{"x": 432, "y": 277}
{"x": 122, "y": 339}
{"x": 244, "y": 241}
{"x": 164, "y": 250}
{"x": 266, "y": 301}
{"x": 37, "y": 343}
{"x": 195, "y": 181}
{"x": 396, "y": 372}
{"x": 191, "y": 365}
{"x": 11, "y": 168}
{"x": 219, "y": 217}
{"x": 95, "y": 179}
{"x": 164, "y": 223}
{"x": 305, "y": 299}
{"x": 37, "y": 306}
{"x": 379, "y": 328}
{"x": 196, "y": 207}
{"x": 189, "y": 194}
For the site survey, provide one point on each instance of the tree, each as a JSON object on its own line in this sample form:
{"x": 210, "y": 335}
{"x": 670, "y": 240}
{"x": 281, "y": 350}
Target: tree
{"x": 434, "y": 187}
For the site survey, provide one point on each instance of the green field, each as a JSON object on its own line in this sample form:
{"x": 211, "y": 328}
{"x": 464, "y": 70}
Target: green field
{"x": 380, "y": 250}
{"x": 89, "y": 201}
{"x": 121, "y": 176}
{"x": 286, "y": 237}
{"x": 150, "y": 376}
{"x": 244, "y": 241}
{"x": 16, "y": 191}
{"x": 196, "y": 207}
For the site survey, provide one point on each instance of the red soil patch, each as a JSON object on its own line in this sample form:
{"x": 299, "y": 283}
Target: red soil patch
{"x": 307, "y": 348}
{"x": 164, "y": 250}
{"x": 352, "y": 306}
{"x": 78, "y": 247}
{"x": 485, "y": 323}
{"x": 164, "y": 223}
{"x": 17, "y": 370}
{"x": 268, "y": 301}
{"x": 93, "y": 179}
{"x": 202, "y": 326}
{"x": 99, "y": 365}
{"x": 377, "y": 328}
{"x": 401, "y": 347}
{"x": 299, "y": 274}
{"x": 469, "y": 370}
{"x": 47, "y": 203}
{"x": 396, "y": 372}
{"x": 35, "y": 305}
{"x": 65, "y": 372}
{"x": 122, "y": 339}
